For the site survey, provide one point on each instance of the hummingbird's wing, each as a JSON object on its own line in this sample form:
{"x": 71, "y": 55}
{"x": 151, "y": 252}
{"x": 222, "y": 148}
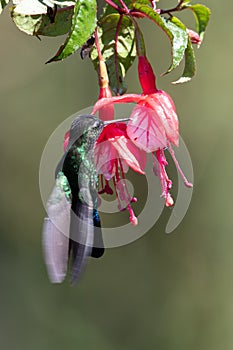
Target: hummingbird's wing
{"x": 56, "y": 230}
{"x": 55, "y": 246}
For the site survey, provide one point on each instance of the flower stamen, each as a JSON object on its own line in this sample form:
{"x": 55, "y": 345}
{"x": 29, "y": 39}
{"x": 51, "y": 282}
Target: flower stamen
{"x": 166, "y": 183}
{"x": 105, "y": 188}
{"x": 186, "y": 182}
{"x": 121, "y": 190}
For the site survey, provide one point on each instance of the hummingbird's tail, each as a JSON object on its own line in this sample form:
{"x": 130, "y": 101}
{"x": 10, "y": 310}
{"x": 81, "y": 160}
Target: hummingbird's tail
{"x": 85, "y": 238}
{"x": 98, "y": 246}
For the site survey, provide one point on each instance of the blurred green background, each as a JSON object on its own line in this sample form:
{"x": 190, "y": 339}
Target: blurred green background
{"x": 166, "y": 292}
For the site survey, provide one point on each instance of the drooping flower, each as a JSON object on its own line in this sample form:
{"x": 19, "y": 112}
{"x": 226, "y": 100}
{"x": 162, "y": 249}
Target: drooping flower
{"x": 114, "y": 153}
{"x": 153, "y": 124}
{"x": 155, "y": 114}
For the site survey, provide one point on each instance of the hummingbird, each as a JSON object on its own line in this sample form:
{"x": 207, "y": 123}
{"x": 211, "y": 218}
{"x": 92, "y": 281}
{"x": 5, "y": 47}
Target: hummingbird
{"x": 72, "y": 230}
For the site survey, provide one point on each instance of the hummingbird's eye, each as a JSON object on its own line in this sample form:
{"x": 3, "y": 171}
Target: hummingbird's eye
{"x": 96, "y": 125}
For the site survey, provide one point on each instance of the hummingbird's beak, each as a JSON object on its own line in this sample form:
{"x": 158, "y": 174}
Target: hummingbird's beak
{"x": 116, "y": 121}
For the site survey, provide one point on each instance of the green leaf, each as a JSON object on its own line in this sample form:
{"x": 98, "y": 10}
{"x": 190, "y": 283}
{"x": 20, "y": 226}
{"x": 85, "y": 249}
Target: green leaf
{"x": 177, "y": 35}
{"x": 3, "y": 4}
{"x": 61, "y": 25}
{"x": 126, "y": 50}
{"x": 190, "y": 62}
{"x": 83, "y": 25}
{"x": 202, "y": 16}
{"x": 25, "y": 23}
{"x": 190, "y": 65}
{"x": 41, "y": 24}
{"x": 131, "y": 3}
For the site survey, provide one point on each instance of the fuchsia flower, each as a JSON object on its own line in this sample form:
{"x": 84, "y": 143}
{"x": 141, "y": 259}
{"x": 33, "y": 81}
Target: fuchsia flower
{"x": 152, "y": 128}
{"x": 153, "y": 124}
{"x": 114, "y": 154}
{"x": 114, "y": 151}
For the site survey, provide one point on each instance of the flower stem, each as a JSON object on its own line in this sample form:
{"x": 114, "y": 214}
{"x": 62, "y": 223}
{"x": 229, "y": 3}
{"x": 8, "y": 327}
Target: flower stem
{"x": 97, "y": 44}
{"x": 115, "y": 6}
{"x": 174, "y": 9}
{"x": 124, "y": 6}
{"x": 116, "y": 53}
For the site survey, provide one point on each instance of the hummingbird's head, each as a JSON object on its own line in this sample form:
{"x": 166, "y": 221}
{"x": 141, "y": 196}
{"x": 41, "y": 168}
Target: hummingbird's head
{"x": 87, "y": 128}
{"x": 85, "y": 125}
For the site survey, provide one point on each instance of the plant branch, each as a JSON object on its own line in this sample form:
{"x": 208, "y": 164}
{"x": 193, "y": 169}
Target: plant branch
{"x": 174, "y": 9}
{"x": 63, "y": 9}
{"x": 124, "y": 7}
{"x": 97, "y": 44}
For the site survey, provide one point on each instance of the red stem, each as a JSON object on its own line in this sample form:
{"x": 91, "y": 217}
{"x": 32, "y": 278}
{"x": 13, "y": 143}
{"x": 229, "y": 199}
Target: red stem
{"x": 116, "y": 53}
{"x": 65, "y": 8}
{"x": 136, "y": 13}
{"x": 124, "y": 6}
{"x": 116, "y": 7}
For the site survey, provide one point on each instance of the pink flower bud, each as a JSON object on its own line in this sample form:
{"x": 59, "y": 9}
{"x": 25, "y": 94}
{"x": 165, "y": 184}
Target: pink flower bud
{"x": 146, "y": 75}
{"x": 194, "y": 37}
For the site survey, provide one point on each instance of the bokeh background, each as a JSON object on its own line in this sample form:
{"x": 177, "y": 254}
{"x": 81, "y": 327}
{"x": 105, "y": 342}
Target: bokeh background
{"x": 166, "y": 292}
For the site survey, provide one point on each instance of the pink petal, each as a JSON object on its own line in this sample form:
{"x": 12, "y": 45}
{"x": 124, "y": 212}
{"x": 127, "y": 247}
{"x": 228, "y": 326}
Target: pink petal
{"x": 146, "y": 130}
{"x": 117, "y": 99}
{"x": 129, "y": 153}
{"x": 106, "y": 112}
{"x": 165, "y": 110}
{"x": 125, "y": 166}
{"x": 104, "y": 157}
